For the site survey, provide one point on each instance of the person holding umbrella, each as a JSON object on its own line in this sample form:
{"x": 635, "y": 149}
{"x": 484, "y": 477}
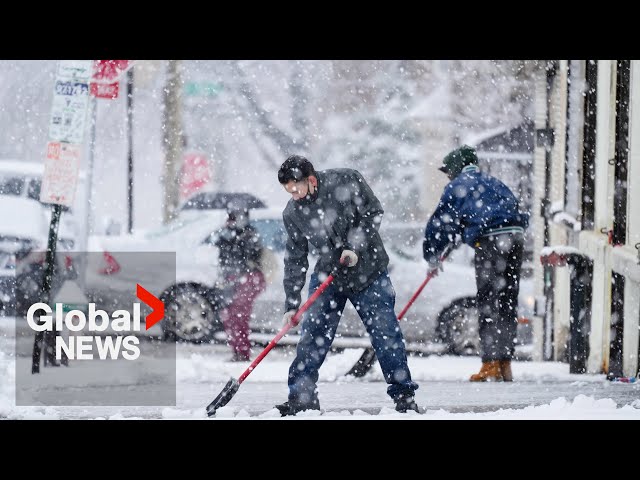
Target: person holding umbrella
{"x": 240, "y": 251}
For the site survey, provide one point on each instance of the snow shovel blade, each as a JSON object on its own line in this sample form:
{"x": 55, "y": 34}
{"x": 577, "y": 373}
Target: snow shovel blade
{"x": 224, "y": 397}
{"x": 364, "y": 363}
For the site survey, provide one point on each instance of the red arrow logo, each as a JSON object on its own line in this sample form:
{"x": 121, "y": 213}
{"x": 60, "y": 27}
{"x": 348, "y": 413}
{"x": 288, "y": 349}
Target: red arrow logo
{"x": 154, "y": 302}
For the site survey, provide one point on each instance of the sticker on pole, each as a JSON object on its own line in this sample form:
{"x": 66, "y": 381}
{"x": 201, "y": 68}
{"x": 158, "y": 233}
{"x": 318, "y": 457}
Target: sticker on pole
{"x": 75, "y": 69}
{"x": 60, "y": 177}
{"x": 105, "y": 90}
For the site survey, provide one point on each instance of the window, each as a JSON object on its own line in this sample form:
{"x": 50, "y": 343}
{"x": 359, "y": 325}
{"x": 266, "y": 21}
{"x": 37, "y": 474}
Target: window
{"x": 272, "y": 233}
{"x": 12, "y": 186}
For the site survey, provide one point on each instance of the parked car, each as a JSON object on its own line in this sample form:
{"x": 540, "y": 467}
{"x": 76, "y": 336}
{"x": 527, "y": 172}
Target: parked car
{"x": 24, "y": 228}
{"x": 194, "y": 298}
{"x": 23, "y": 181}
{"x": 444, "y": 314}
{"x": 7, "y": 282}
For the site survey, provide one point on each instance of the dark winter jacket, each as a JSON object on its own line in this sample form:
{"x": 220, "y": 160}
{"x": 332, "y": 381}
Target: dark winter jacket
{"x": 240, "y": 250}
{"x": 344, "y": 214}
{"x": 473, "y": 204}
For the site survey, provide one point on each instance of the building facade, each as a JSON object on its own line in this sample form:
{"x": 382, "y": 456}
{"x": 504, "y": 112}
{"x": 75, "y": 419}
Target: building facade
{"x": 587, "y": 154}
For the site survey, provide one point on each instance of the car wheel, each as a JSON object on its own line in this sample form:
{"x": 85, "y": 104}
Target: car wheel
{"x": 28, "y": 288}
{"x": 458, "y": 327}
{"x": 189, "y": 316}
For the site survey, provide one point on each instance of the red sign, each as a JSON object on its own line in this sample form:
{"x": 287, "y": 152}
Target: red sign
{"x": 53, "y": 150}
{"x": 105, "y": 90}
{"x": 109, "y": 71}
{"x": 61, "y": 168}
{"x": 194, "y": 173}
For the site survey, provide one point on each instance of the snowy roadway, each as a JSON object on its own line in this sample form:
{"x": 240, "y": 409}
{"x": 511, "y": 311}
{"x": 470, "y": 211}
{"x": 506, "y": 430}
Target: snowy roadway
{"x": 541, "y": 390}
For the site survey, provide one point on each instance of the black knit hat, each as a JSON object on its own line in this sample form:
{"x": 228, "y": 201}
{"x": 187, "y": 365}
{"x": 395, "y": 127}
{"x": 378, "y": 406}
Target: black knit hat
{"x": 295, "y": 168}
{"x": 459, "y": 158}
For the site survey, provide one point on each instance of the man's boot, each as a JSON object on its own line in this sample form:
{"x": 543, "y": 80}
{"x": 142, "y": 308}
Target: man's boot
{"x": 406, "y": 403}
{"x": 490, "y": 372}
{"x": 293, "y": 408}
{"x": 505, "y": 369}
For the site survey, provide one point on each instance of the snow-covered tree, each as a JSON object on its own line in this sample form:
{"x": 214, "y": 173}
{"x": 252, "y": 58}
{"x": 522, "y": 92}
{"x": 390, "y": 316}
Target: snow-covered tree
{"x": 487, "y": 93}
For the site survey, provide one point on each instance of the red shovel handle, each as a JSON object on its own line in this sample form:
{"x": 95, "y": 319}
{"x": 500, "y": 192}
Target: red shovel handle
{"x": 432, "y": 273}
{"x": 294, "y": 321}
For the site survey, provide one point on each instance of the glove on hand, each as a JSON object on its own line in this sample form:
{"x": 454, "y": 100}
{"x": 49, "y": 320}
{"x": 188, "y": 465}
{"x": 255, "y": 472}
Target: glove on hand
{"x": 352, "y": 256}
{"x": 288, "y": 317}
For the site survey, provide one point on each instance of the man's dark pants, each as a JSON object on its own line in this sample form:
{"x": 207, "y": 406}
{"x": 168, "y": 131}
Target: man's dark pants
{"x": 375, "y": 305}
{"x": 498, "y": 261}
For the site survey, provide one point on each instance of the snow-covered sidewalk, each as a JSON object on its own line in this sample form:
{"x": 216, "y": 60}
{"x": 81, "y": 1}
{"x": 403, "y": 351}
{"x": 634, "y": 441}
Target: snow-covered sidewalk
{"x": 542, "y": 390}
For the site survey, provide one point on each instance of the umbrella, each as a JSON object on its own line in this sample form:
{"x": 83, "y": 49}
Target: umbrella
{"x": 223, "y": 200}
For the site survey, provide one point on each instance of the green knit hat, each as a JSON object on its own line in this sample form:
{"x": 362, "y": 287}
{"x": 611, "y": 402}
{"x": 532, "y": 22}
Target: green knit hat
{"x": 459, "y": 158}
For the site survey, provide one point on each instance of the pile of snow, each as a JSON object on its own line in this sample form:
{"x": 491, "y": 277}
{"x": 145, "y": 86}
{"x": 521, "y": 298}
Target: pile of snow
{"x": 580, "y": 407}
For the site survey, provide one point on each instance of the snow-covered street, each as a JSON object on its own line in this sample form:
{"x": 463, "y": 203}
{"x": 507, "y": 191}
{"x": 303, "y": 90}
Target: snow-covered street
{"x": 541, "y": 390}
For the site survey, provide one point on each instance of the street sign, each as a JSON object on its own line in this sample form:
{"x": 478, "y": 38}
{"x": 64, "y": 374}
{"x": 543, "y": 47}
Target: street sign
{"x": 62, "y": 162}
{"x": 69, "y": 111}
{"x": 75, "y": 69}
{"x": 110, "y": 71}
{"x": 194, "y": 174}
{"x": 60, "y": 177}
{"x": 202, "y": 89}
{"x": 105, "y": 90}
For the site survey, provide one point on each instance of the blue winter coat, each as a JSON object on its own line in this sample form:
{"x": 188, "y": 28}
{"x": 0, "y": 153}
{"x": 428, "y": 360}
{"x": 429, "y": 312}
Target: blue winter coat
{"x": 472, "y": 205}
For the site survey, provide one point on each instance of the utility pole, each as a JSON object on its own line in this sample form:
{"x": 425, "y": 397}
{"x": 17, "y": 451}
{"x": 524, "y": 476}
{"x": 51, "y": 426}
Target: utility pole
{"x": 130, "y": 145}
{"x": 172, "y": 139}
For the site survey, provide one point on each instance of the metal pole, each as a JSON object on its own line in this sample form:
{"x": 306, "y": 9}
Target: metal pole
{"x": 92, "y": 150}
{"x": 49, "y": 271}
{"x": 549, "y": 277}
{"x": 83, "y": 260}
{"x": 130, "y": 152}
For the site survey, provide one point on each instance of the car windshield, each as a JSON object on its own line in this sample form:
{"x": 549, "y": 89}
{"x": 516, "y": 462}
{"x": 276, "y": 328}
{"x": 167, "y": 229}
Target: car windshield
{"x": 272, "y": 233}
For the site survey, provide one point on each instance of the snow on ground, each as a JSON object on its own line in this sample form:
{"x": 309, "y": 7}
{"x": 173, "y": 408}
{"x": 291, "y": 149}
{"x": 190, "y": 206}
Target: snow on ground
{"x": 542, "y": 390}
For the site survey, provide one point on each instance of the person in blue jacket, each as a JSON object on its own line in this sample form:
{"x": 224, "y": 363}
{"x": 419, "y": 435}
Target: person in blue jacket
{"x": 485, "y": 213}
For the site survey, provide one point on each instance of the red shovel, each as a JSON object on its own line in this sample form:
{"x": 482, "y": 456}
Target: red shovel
{"x": 233, "y": 385}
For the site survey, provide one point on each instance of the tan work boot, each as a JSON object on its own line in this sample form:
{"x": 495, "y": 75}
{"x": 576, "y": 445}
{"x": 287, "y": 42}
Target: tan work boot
{"x": 505, "y": 368}
{"x": 490, "y": 372}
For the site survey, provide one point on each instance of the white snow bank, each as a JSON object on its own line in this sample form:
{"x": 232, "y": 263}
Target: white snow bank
{"x": 451, "y": 368}
{"x": 565, "y": 218}
{"x": 581, "y": 407}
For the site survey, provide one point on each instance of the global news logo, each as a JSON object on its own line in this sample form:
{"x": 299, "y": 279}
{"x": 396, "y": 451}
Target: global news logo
{"x": 123, "y": 344}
